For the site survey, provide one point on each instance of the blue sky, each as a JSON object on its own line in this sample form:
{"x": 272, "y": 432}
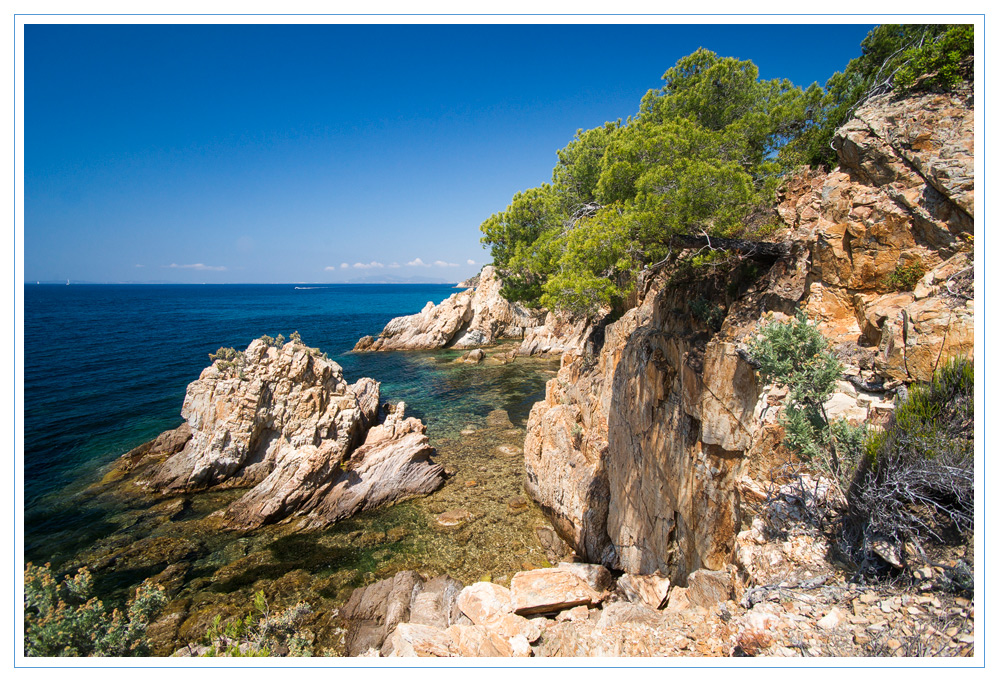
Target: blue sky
{"x": 253, "y": 153}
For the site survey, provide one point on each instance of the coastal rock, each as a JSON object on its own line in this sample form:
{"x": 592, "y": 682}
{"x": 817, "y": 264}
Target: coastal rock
{"x": 406, "y": 616}
{"x": 166, "y": 444}
{"x": 551, "y": 590}
{"x": 560, "y": 333}
{"x": 285, "y": 422}
{"x": 476, "y": 317}
{"x": 489, "y": 605}
{"x": 709, "y": 588}
{"x": 474, "y": 357}
{"x": 637, "y": 451}
{"x": 372, "y": 612}
{"x": 393, "y": 464}
{"x": 648, "y": 589}
{"x": 436, "y": 604}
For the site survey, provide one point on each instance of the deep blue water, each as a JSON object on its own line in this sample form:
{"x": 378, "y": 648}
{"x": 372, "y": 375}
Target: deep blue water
{"x": 106, "y": 366}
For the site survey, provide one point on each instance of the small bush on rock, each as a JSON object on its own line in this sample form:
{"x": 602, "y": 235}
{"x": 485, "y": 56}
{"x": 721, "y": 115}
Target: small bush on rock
{"x": 916, "y": 478}
{"x": 905, "y": 278}
{"x": 797, "y": 355}
{"x": 262, "y": 633}
{"x": 61, "y": 619}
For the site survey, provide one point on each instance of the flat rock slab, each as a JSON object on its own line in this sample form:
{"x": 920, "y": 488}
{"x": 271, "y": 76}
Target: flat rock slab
{"x": 540, "y": 591}
{"x": 418, "y": 640}
{"x": 489, "y": 605}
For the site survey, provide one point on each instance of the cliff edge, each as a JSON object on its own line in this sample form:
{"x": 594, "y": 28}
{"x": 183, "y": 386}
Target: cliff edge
{"x": 644, "y": 452}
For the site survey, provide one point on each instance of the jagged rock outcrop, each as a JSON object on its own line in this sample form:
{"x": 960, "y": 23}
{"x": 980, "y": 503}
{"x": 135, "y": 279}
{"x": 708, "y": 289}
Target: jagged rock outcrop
{"x": 559, "y": 333}
{"x": 634, "y": 459}
{"x": 481, "y": 317}
{"x": 637, "y": 451}
{"x": 475, "y": 317}
{"x": 903, "y": 199}
{"x": 285, "y": 423}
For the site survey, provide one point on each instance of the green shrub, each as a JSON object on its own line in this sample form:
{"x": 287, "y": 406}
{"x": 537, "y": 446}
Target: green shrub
{"x": 796, "y": 355}
{"x": 708, "y": 312}
{"x": 225, "y": 353}
{"x": 262, "y": 633}
{"x": 905, "y": 278}
{"x": 227, "y": 358}
{"x": 63, "y": 620}
{"x": 916, "y": 478}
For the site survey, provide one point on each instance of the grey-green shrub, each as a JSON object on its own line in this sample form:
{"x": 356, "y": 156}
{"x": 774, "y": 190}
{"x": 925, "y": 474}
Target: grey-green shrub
{"x": 795, "y": 354}
{"x": 61, "y": 619}
{"x": 262, "y": 633}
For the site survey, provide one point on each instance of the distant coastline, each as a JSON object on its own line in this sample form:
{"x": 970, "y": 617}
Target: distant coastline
{"x": 298, "y": 285}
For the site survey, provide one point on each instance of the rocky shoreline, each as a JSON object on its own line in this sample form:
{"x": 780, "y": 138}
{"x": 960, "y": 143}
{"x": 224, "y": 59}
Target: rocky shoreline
{"x": 678, "y": 524}
{"x": 481, "y": 317}
{"x": 656, "y": 442}
{"x": 281, "y": 421}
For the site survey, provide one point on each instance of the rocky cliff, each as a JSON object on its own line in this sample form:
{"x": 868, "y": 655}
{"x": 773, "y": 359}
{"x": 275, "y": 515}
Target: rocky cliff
{"x": 284, "y": 423}
{"x": 480, "y": 317}
{"x": 641, "y": 450}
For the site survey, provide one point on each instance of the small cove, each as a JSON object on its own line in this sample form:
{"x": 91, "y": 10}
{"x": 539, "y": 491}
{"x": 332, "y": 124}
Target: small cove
{"x": 475, "y": 417}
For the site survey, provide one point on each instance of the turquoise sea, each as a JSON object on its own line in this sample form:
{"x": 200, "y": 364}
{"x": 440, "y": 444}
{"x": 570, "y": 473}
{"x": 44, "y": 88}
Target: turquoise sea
{"x": 106, "y": 367}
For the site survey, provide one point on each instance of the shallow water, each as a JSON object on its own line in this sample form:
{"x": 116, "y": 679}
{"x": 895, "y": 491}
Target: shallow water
{"x": 475, "y": 416}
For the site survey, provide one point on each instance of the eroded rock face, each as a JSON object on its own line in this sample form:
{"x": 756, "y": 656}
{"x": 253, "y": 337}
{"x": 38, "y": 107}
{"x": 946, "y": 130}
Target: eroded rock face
{"x": 284, "y": 422}
{"x": 651, "y": 434}
{"x": 637, "y": 450}
{"x": 373, "y": 612}
{"x": 903, "y": 199}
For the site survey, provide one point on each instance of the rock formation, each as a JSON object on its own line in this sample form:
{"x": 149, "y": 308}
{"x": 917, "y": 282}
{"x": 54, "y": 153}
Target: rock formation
{"x": 481, "y": 317}
{"x": 639, "y": 448}
{"x": 475, "y": 317}
{"x": 790, "y": 603}
{"x": 284, "y": 423}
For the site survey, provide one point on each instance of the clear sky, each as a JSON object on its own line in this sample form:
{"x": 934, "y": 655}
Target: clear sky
{"x": 322, "y": 153}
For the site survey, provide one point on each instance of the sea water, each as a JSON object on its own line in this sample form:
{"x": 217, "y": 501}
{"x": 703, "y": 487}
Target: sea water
{"x": 106, "y": 367}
